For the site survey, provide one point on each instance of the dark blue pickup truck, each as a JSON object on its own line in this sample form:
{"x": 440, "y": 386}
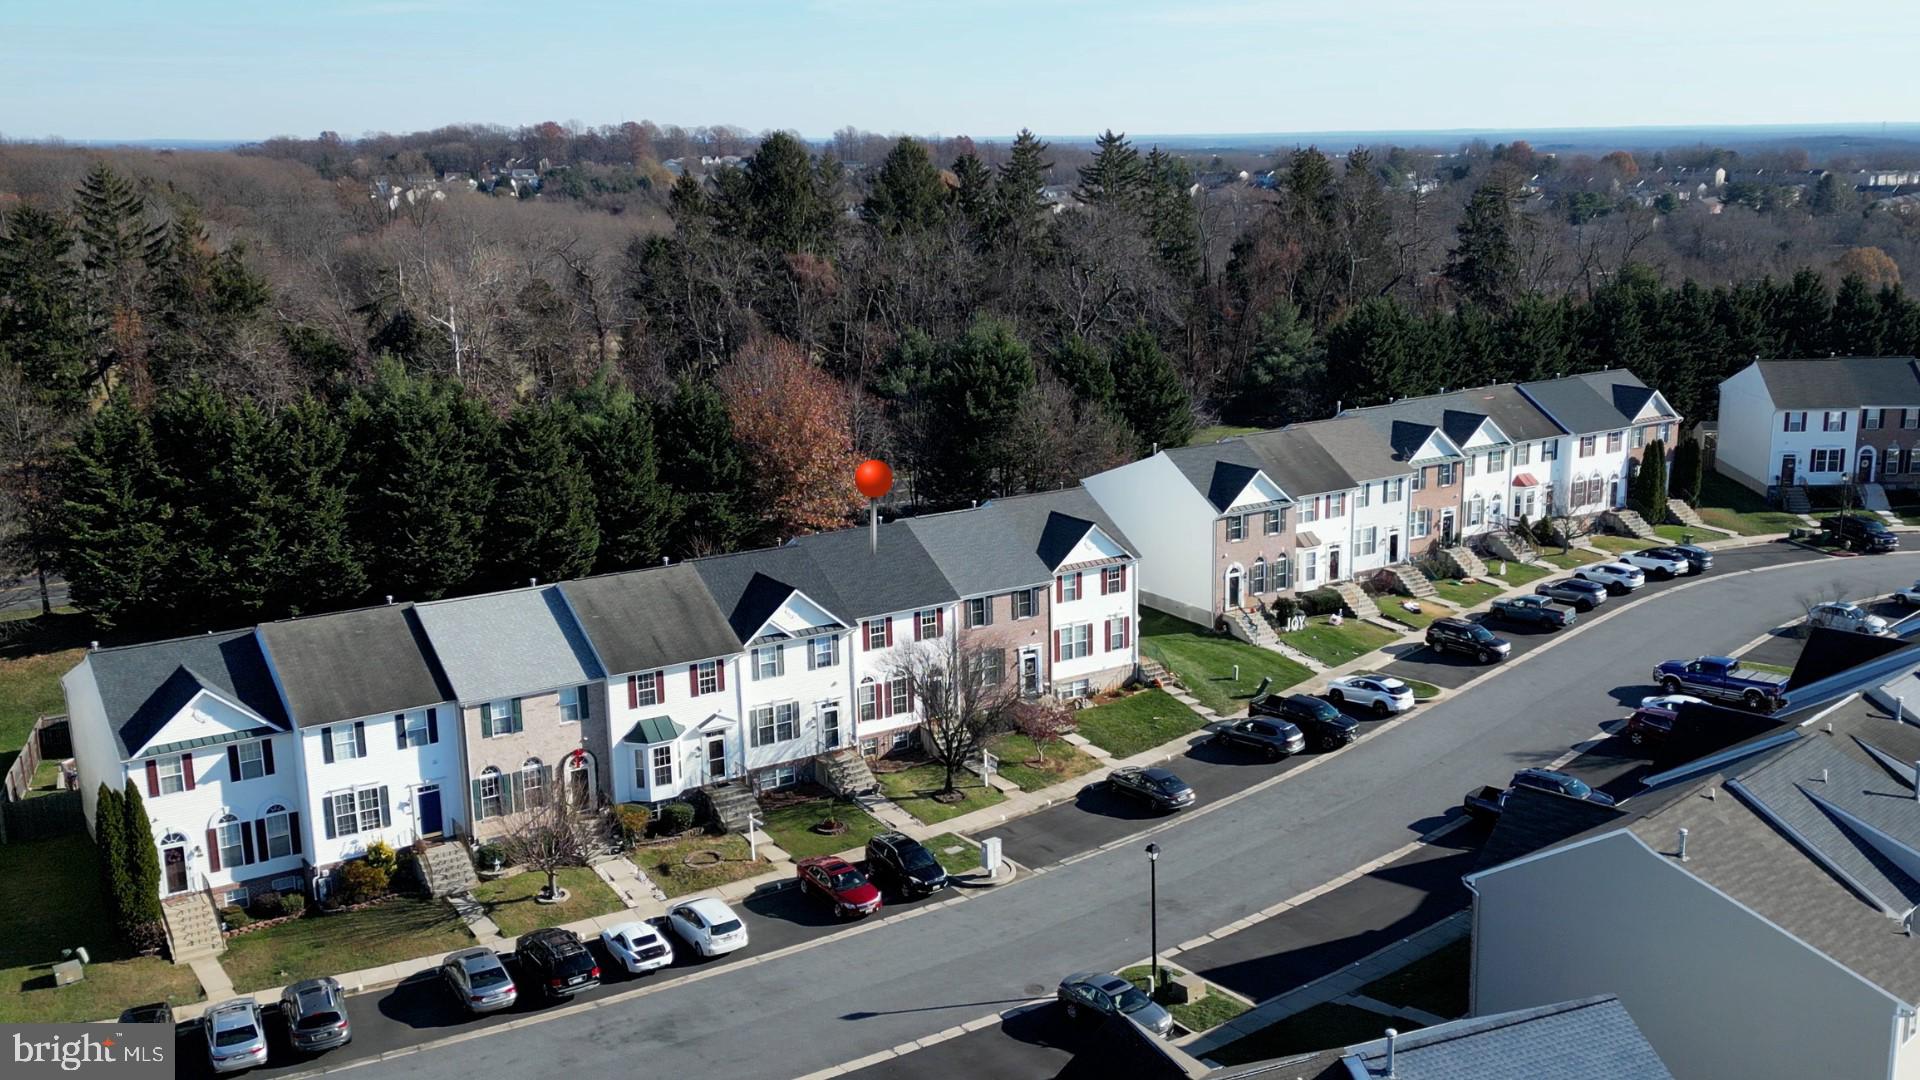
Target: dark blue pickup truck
{"x": 1721, "y": 678}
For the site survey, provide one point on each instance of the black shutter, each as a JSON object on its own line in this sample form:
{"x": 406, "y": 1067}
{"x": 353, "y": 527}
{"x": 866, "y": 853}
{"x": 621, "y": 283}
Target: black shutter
{"x": 260, "y": 839}
{"x": 326, "y": 755}
{"x": 360, "y": 738}
{"x": 400, "y": 731}
{"x": 233, "y": 761}
{"x": 266, "y": 754}
{"x": 433, "y": 725}
{"x": 246, "y": 845}
{"x": 293, "y": 830}
{"x": 385, "y": 818}
{"x": 326, "y": 810}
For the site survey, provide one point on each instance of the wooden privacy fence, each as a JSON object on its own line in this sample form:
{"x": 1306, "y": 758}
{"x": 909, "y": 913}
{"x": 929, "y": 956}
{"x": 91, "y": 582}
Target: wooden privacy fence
{"x": 26, "y": 816}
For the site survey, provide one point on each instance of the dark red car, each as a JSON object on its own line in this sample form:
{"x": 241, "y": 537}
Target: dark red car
{"x": 841, "y": 883}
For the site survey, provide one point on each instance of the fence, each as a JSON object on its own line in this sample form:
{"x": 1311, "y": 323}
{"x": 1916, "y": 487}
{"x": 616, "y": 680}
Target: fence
{"x": 24, "y": 816}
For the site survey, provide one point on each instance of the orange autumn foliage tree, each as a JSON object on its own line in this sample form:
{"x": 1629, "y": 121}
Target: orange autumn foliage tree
{"x": 793, "y": 420}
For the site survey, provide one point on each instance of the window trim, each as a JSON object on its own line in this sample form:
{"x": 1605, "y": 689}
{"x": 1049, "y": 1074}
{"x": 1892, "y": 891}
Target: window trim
{"x": 259, "y": 759}
{"x": 285, "y": 822}
{"x": 578, "y": 705}
{"x": 1236, "y": 528}
{"x": 657, "y": 762}
{"x": 239, "y": 845}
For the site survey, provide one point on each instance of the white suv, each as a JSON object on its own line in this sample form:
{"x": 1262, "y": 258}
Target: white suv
{"x": 1370, "y": 690}
{"x": 1840, "y": 615}
{"x": 1659, "y": 560}
{"x": 1618, "y": 577}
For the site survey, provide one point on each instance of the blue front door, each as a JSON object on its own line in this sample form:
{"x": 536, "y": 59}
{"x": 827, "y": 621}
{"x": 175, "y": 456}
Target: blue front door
{"x": 429, "y": 801}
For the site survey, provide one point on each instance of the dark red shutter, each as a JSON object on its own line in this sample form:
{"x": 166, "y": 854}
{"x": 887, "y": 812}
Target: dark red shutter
{"x": 633, "y": 691}
{"x": 266, "y": 754}
{"x": 246, "y": 845}
{"x": 233, "y": 761}
{"x": 1079, "y": 586}
{"x": 1106, "y": 635}
{"x": 693, "y": 679}
{"x": 720, "y": 674}
{"x": 1059, "y": 588}
{"x": 660, "y": 687}
{"x": 213, "y": 851}
{"x": 883, "y": 699}
{"x": 1126, "y": 631}
{"x": 153, "y": 778}
{"x": 186, "y": 769}
{"x": 1123, "y": 577}
{"x": 939, "y": 622}
{"x": 889, "y": 625}
{"x": 293, "y": 830}
{"x": 866, "y": 636}
{"x": 260, "y": 839}
{"x": 1056, "y": 646}
{"x": 917, "y": 635}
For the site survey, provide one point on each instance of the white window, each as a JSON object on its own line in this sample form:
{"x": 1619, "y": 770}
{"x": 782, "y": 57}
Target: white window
{"x": 1070, "y": 586}
{"x": 373, "y": 808}
{"x": 533, "y": 782}
{"x": 417, "y": 733}
{"x": 234, "y": 897}
{"x": 868, "y": 699}
{"x": 929, "y": 623}
{"x": 1666, "y": 432}
{"x": 1366, "y": 541}
{"x": 1473, "y": 464}
{"x": 1421, "y": 519}
{"x": 823, "y": 651}
{"x": 1871, "y": 419}
{"x": 1079, "y": 688}
{"x": 777, "y": 777}
{"x": 1420, "y": 479}
{"x": 570, "y": 706}
{"x": 496, "y": 718}
{"x": 1310, "y": 565}
{"x": 231, "y": 833}
{"x": 662, "y": 766}
{"x": 1828, "y": 461}
{"x": 345, "y": 746}
{"x": 646, "y": 688}
{"x": 253, "y": 763}
{"x": 1310, "y": 511}
{"x": 1363, "y": 495}
{"x": 1273, "y": 521}
{"x": 1550, "y": 450}
{"x": 346, "y": 816}
{"x": 900, "y": 697}
{"x": 760, "y": 725}
{"x": 1076, "y": 641}
{"x": 1116, "y": 634}
{"x": 1236, "y": 528}
{"x": 1025, "y": 602}
{"x": 1336, "y": 504}
{"x": 1522, "y": 453}
{"x": 1639, "y": 437}
{"x": 1795, "y": 421}
{"x": 769, "y": 662}
{"x": 900, "y": 740}
{"x": 288, "y": 884}
{"x": 1496, "y": 460}
{"x": 1587, "y": 444}
{"x": 979, "y": 612}
{"x": 770, "y": 724}
{"x": 1280, "y": 570}
{"x": 1476, "y": 510}
{"x": 490, "y": 801}
{"x": 1833, "y": 420}
{"x": 279, "y": 833}
{"x": 1257, "y": 578}
{"x": 1113, "y": 579}
{"x": 172, "y": 771}
{"x": 709, "y": 676}
{"x": 993, "y": 666}
{"x": 1445, "y": 471}
{"x": 1614, "y": 439}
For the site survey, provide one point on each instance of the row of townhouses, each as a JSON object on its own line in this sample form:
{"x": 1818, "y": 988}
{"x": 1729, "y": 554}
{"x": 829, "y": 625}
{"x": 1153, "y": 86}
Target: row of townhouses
{"x": 269, "y": 755}
{"x": 1790, "y": 423}
{"x": 1240, "y": 522}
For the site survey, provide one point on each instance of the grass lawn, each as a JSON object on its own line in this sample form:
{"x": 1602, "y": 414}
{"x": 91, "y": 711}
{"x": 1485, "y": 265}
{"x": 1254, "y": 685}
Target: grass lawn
{"x": 1422, "y": 691}
{"x": 1210, "y": 1010}
{"x": 1419, "y": 620}
{"x": 30, "y": 689}
{"x": 1063, "y": 761}
{"x": 957, "y": 854}
{"x": 1436, "y": 983}
{"x": 50, "y": 892}
{"x": 1463, "y": 594}
{"x": 1678, "y": 534}
{"x": 1335, "y": 645}
{"x": 913, "y": 789}
{"x": 662, "y": 864}
{"x": 1319, "y": 1028}
{"x": 1726, "y": 505}
{"x": 402, "y": 929}
{"x": 792, "y": 827}
{"x": 511, "y": 906}
{"x": 1204, "y": 662}
{"x": 1777, "y": 669}
{"x": 1619, "y": 545}
{"x": 1571, "y": 560}
{"x": 1517, "y": 573}
{"x": 1140, "y": 722}
{"x": 1217, "y": 432}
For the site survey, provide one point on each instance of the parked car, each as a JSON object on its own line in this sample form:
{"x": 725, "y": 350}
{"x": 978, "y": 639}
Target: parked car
{"x": 1844, "y": 615}
{"x": 558, "y": 960}
{"x": 1670, "y": 702}
{"x": 1099, "y": 994}
{"x": 1618, "y": 577}
{"x": 1323, "y": 724}
{"x": 839, "y": 883}
{"x": 639, "y": 946}
{"x": 1485, "y": 802}
{"x": 158, "y": 1012}
{"x": 906, "y": 863}
{"x": 478, "y": 980}
{"x": 1533, "y": 610}
{"x": 1700, "y": 557}
{"x": 1659, "y": 560}
{"x": 236, "y": 1035}
{"x": 1273, "y": 738}
{"x": 709, "y": 925}
{"x": 1157, "y": 787}
{"x": 1860, "y": 532}
{"x": 1722, "y": 678}
{"x": 1910, "y": 595}
{"x": 1383, "y": 694}
{"x": 1468, "y": 638}
{"x": 1578, "y": 593}
{"x": 1647, "y": 725}
{"x": 316, "y": 1012}
{"x": 1560, "y": 784}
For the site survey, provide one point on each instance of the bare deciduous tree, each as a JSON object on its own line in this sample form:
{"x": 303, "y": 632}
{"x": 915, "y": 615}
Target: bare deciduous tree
{"x": 966, "y": 698}
{"x": 550, "y": 837}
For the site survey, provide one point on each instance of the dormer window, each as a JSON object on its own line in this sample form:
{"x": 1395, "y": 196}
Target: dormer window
{"x": 172, "y": 772}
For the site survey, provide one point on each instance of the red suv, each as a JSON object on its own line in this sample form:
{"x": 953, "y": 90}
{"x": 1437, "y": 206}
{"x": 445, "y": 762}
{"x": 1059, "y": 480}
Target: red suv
{"x": 839, "y": 881}
{"x": 1649, "y": 725}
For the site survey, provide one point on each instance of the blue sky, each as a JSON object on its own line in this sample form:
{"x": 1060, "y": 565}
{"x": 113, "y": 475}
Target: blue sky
{"x": 89, "y": 69}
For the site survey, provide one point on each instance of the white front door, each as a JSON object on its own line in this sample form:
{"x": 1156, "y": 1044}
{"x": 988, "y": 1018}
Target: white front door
{"x": 830, "y": 725}
{"x": 716, "y": 758}
{"x": 1030, "y": 671}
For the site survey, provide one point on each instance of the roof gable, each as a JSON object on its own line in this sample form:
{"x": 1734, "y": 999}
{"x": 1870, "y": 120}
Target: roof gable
{"x": 205, "y": 717}
{"x": 1012, "y": 543}
{"x": 750, "y": 587}
{"x": 143, "y": 687}
{"x": 797, "y": 616}
{"x": 896, "y": 574}
{"x": 1259, "y": 491}
{"x": 1475, "y": 432}
{"x": 641, "y": 620}
{"x": 1094, "y": 546}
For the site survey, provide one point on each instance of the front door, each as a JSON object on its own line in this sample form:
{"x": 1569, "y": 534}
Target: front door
{"x": 1233, "y": 589}
{"x": 1393, "y": 547}
{"x": 1866, "y": 465}
{"x": 1333, "y": 564}
{"x": 1446, "y": 528}
{"x": 579, "y": 783}
{"x": 1788, "y": 465}
{"x": 1029, "y": 672}
{"x": 176, "y": 860}
{"x": 830, "y": 726}
{"x": 427, "y": 801}
{"x": 716, "y": 757}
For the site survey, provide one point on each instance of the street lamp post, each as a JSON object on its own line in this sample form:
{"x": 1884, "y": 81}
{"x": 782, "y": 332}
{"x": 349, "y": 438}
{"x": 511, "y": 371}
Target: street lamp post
{"x": 1153, "y": 916}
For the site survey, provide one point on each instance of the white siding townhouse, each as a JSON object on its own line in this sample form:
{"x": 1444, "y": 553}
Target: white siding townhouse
{"x": 1786, "y": 422}
{"x": 1607, "y": 419}
{"x": 198, "y": 727}
{"x": 666, "y": 647}
{"x": 378, "y": 734}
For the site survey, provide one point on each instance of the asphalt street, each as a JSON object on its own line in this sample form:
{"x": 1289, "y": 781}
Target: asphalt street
{"x": 910, "y": 977}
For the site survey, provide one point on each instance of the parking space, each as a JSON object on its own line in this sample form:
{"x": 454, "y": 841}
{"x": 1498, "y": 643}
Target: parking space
{"x": 1030, "y": 1044}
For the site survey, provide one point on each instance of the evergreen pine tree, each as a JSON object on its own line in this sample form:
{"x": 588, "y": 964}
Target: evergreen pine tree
{"x": 1115, "y": 177}
{"x": 1802, "y": 314}
{"x": 198, "y": 299}
{"x": 227, "y": 527}
{"x": 1855, "y": 327}
{"x": 972, "y": 399}
{"x": 1151, "y": 397}
{"x": 1020, "y": 211}
{"x": 1483, "y": 265}
{"x": 1647, "y": 495}
{"x": 1173, "y": 221}
{"x": 1533, "y": 336}
{"x": 781, "y": 201}
{"x": 542, "y": 524}
{"x": 110, "y": 844}
{"x": 974, "y": 195}
{"x": 141, "y": 919}
{"x": 1285, "y": 380}
{"x": 1687, "y": 468}
{"x": 319, "y": 567}
{"x": 702, "y": 464}
{"x": 908, "y": 193}
{"x": 113, "y": 536}
{"x": 43, "y": 328}
{"x": 613, "y": 432}
{"x": 1375, "y": 353}
{"x": 118, "y": 244}
{"x": 1085, "y": 369}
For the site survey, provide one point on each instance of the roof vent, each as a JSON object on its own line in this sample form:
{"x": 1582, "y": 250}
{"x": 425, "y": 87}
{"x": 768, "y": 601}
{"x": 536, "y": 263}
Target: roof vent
{"x": 1392, "y": 1037}
{"x": 389, "y": 598}
{"x": 1829, "y": 727}
{"x": 93, "y": 645}
{"x": 1683, "y": 845}
{"x": 666, "y": 560}
{"x": 1710, "y": 794}
{"x": 1823, "y": 776}
{"x": 532, "y": 582}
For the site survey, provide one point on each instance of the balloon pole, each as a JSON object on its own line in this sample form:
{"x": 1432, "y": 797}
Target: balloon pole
{"x": 874, "y": 480}
{"x": 873, "y": 523}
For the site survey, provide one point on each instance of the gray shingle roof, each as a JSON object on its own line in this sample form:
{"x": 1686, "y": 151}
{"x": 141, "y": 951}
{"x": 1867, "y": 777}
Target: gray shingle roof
{"x": 1457, "y": 415}
{"x": 1220, "y": 470}
{"x": 1357, "y": 445}
{"x": 507, "y": 644}
{"x": 353, "y": 664}
{"x": 898, "y": 576}
{"x": 751, "y": 585}
{"x": 144, "y": 686}
{"x": 1295, "y": 459}
{"x": 1304, "y": 459}
{"x": 1010, "y": 543}
{"x": 1573, "y": 1040}
{"x": 1590, "y": 402}
{"x": 1847, "y": 382}
{"x": 646, "y": 619}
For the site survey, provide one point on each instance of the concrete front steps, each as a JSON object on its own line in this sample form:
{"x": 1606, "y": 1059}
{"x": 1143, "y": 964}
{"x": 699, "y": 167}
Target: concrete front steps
{"x": 193, "y": 928}
{"x": 1630, "y": 523}
{"x": 1464, "y": 562}
{"x": 1682, "y": 513}
{"x": 1409, "y": 581}
{"x": 1255, "y": 630}
{"x": 732, "y": 804}
{"x": 1357, "y": 600}
{"x": 1509, "y": 546}
{"x": 448, "y": 870}
{"x": 846, "y": 773}
{"x": 1794, "y": 500}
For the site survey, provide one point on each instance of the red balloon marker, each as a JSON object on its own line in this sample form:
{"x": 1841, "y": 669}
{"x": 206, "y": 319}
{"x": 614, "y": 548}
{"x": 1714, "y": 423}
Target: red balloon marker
{"x": 874, "y": 479}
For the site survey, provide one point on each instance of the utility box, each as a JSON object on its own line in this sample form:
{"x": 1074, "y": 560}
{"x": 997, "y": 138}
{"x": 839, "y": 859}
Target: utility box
{"x": 990, "y": 855}
{"x": 68, "y": 972}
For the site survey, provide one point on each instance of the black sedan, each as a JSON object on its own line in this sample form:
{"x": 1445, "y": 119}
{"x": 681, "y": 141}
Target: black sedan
{"x": 1156, "y": 787}
{"x": 1580, "y": 594}
{"x": 1699, "y": 557}
{"x": 1322, "y": 722}
{"x": 1533, "y": 610}
{"x": 1274, "y": 739}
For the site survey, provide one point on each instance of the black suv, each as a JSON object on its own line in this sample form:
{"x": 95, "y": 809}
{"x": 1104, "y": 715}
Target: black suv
{"x": 1468, "y": 639}
{"x": 1272, "y": 738}
{"x": 1156, "y": 787}
{"x": 905, "y": 863}
{"x": 558, "y": 960}
{"x": 1322, "y": 722}
{"x": 1861, "y": 533}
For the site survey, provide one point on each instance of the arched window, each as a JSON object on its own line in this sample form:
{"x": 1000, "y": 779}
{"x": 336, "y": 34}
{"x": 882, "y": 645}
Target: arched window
{"x": 276, "y": 832}
{"x": 869, "y": 700}
{"x": 533, "y": 782}
{"x": 1282, "y": 570}
{"x": 489, "y": 796}
{"x": 230, "y": 835}
{"x": 1497, "y": 517}
{"x": 1258, "y": 579}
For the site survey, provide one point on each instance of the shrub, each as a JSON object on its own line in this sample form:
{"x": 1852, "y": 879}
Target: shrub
{"x": 676, "y": 817}
{"x": 361, "y": 881}
{"x": 487, "y": 855}
{"x": 381, "y": 854}
{"x": 1322, "y": 602}
{"x": 264, "y": 905}
{"x": 234, "y": 918}
{"x": 633, "y": 820}
{"x": 293, "y": 903}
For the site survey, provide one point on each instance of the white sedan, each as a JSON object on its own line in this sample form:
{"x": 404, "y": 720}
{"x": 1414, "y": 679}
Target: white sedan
{"x": 1670, "y": 702}
{"x": 1910, "y": 595}
{"x": 1618, "y": 577}
{"x": 709, "y": 926}
{"x": 1659, "y": 561}
{"x": 1370, "y": 690}
{"x": 638, "y": 946}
